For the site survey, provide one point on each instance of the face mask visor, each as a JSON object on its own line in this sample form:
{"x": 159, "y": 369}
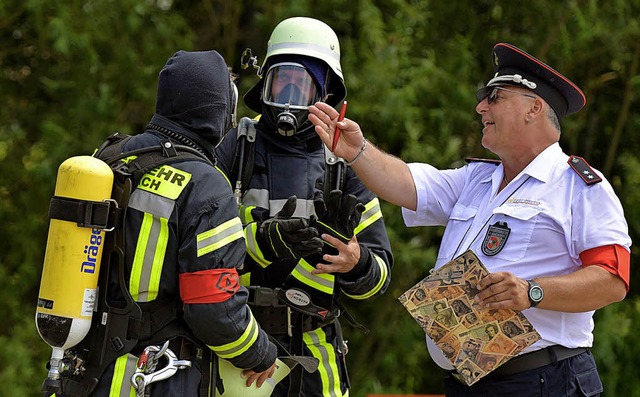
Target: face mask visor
{"x": 289, "y": 85}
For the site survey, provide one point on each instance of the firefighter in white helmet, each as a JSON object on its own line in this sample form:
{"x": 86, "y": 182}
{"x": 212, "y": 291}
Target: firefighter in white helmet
{"x": 315, "y": 235}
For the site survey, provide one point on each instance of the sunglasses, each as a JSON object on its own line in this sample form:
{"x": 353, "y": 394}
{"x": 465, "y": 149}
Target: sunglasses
{"x": 492, "y": 96}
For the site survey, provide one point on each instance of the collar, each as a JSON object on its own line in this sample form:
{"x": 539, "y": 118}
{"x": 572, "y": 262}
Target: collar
{"x": 542, "y": 166}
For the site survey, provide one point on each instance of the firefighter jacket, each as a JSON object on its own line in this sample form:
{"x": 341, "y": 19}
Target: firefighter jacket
{"x": 184, "y": 239}
{"x": 286, "y": 166}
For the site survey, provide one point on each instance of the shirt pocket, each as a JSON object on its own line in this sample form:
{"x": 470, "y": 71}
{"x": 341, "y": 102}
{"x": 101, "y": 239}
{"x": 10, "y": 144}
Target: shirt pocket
{"x": 521, "y": 222}
{"x": 459, "y": 222}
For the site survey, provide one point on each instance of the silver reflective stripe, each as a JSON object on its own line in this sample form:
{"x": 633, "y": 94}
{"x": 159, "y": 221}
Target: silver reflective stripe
{"x": 384, "y": 273}
{"x": 304, "y": 46}
{"x": 304, "y": 208}
{"x": 151, "y": 203}
{"x": 123, "y": 370}
{"x": 149, "y": 258}
{"x": 240, "y": 345}
{"x": 372, "y": 212}
{"x": 322, "y": 282}
{"x": 220, "y": 236}
{"x": 260, "y": 198}
{"x": 253, "y": 249}
{"x": 256, "y": 198}
{"x": 316, "y": 342}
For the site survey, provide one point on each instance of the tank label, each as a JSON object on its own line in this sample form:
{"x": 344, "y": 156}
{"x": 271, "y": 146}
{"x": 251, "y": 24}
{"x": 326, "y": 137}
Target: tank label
{"x": 92, "y": 250}
{"x": 165, "y": 181}
{"x": 88, "y": 302}
{"x": 45, "y": 303}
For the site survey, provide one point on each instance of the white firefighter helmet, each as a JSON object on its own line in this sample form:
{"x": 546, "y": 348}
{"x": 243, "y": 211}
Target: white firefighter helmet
{"x": 292, "y": 40}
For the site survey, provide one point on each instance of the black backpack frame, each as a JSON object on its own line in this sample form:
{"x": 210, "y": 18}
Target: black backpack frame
{"x": 115, "y": 329}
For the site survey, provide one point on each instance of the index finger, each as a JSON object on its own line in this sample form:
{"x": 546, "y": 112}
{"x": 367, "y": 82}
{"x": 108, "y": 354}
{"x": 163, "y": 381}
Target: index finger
{"x": 326, "y": 109}
{"x": 488, "y": 280}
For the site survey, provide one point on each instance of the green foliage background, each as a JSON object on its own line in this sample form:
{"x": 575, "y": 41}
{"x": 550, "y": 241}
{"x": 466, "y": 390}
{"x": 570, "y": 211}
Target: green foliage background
{"x": 72, "y": 72}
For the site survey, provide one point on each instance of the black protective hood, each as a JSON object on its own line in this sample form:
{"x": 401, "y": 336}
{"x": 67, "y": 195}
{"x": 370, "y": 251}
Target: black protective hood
{"x": 195, "y": 92}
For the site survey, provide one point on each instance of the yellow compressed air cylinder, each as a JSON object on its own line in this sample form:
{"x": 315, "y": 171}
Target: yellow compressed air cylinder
{"x": 72, "y": 258}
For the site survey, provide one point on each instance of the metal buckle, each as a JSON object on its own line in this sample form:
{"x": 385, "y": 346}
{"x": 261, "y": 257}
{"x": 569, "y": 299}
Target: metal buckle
{"x": 146, "y": 372}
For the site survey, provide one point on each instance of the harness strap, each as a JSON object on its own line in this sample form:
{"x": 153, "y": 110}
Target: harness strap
{"x": 91, "y": 214}
{"x": 244, "y": 156}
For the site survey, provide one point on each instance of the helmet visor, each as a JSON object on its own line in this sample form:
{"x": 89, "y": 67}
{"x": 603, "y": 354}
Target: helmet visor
{"x": 289, "y": 83}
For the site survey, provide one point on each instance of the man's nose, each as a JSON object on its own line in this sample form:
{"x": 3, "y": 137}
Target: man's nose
{"x": 482, "y": 106}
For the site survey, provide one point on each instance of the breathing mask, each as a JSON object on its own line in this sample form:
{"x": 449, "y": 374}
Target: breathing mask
{"x": 289, "y": 89}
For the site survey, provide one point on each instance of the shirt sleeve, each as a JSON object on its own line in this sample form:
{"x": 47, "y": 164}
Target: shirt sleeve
{"x": 598, "y": 218}
{"x": 372, "y": 274}
{"x": 437, "y": 192}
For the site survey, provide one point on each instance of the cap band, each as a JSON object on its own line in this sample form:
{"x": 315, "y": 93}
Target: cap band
{"x": 511, "y": 78}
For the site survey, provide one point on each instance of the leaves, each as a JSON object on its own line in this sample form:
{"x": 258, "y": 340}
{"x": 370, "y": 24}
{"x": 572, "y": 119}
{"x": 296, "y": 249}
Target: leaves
{"x": 74, "y": 71}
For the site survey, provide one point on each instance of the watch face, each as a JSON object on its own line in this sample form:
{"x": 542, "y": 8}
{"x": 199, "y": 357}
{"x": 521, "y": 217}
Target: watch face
{"x": 535, "y": 293}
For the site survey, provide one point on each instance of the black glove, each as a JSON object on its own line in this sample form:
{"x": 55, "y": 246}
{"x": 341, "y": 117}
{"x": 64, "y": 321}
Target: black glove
{"x": 285, "y": 237}
{"x": 338, "y": 216}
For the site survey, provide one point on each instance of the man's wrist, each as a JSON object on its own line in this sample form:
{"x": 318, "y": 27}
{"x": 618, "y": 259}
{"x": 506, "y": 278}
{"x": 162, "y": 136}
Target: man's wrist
{"x": 535, "y": 293}
{"x": 364, "y": 146}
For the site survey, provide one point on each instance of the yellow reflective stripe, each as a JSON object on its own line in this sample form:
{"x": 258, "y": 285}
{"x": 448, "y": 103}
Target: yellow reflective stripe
{"x": 165, "y": 181}
{"x": 316, "y": 342}
{"x": 372, "y": 213}
{"x": 253, "y": 249}
{"x": 384, "y": 273}
{"x": 158, "y": 260}
{"x": 240, "y": 345}
{"x": 220, "y": 236}
{"x": 245, "y": 213}
{"x": 224, "y": 175}
{"x": 125, "y": 367}
{"x": 149, "y": 258}
{"x": 321, "y": 282}
{"x": 245, "y": 279}
{"x": 138, "y": 259}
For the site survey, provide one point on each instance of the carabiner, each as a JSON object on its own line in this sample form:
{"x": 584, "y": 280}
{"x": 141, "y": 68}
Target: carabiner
{"x": 173, "y": 365}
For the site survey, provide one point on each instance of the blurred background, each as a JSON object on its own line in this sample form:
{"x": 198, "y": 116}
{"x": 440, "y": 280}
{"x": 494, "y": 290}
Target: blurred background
{"x": 72, "y": 72}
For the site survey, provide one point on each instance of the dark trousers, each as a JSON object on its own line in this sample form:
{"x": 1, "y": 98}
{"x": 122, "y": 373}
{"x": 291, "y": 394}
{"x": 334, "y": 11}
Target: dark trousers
{"x": 325, "y": 381}
{"x": 575, "y": 376}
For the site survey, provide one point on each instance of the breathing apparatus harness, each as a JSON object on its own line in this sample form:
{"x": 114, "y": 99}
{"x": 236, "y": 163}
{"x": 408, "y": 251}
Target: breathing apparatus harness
{"x": 279, "y": 317}
{"x": 118, "y": 327}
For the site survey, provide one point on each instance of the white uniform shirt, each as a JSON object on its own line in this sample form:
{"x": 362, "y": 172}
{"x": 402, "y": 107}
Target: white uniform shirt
{"x": 553, "y": 216}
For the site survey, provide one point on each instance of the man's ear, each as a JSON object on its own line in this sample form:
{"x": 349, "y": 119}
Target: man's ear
{"x": 537, "y": 108}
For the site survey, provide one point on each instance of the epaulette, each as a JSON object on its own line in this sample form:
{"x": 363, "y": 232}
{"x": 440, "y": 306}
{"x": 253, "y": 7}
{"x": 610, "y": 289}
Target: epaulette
{"x": 584, "y": 170}
{"x": 479, "y": 160}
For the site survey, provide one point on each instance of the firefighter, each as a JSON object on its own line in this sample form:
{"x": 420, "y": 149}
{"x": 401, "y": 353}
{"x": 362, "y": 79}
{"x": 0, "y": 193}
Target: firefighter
{"x": 184, "y": 241}
{"x": 311, "y": 240}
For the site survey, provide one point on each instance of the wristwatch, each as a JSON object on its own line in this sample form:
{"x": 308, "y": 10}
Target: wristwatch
{"x": 535, "y": 293}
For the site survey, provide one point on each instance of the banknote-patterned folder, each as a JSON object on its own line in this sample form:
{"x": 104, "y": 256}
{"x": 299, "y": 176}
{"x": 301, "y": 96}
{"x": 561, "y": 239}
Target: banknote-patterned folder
{"x": 476, "y": 340}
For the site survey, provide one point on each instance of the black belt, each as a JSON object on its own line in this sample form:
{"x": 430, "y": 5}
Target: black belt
{"x": 537, "y": 359}
{"x": 275, "y": 317}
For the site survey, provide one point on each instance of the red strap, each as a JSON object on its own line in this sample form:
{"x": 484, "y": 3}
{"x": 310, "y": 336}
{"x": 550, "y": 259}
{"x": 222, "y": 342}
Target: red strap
{"x": 209, "y": 286}
{"x": 613, "y": 258}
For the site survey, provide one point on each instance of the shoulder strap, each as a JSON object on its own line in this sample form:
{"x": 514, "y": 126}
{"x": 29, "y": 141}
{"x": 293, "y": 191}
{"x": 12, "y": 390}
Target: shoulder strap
{"x": 244, "y": 156}
{"x": 584, "y": 170}
{"x": 145, "y": 159}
